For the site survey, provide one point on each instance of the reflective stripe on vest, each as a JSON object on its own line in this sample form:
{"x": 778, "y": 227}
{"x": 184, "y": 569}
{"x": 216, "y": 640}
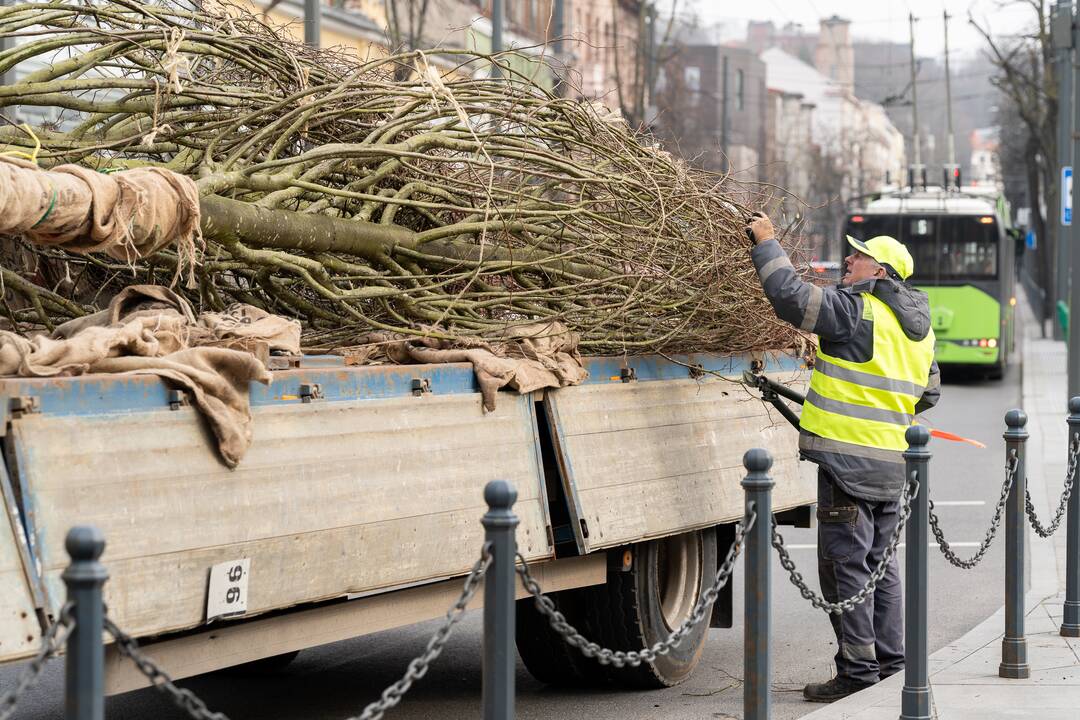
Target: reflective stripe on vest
{"x": 871, "y": 403}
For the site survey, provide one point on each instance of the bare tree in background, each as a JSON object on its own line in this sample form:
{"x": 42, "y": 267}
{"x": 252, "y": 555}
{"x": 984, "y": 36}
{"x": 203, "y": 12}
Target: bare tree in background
{"x": 823, "y": 207}
{"x": 650, "y": 52}
{"x": 676, "y": 124}
{"x": 405, "y": 23}
{"x": 1026, "y": 78}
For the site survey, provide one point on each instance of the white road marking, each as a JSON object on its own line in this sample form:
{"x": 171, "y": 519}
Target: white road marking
{"x": 813, "y": 546}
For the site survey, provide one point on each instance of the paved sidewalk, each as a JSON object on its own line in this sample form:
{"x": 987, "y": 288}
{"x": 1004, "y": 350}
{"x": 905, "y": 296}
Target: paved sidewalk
{"x": 963, "y": 675}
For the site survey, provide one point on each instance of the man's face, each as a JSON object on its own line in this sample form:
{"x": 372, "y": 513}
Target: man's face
{"x": 859, "y": 266}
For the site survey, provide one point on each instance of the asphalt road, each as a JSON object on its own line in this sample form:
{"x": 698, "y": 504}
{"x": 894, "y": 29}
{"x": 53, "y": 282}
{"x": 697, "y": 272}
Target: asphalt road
{"x": 336, "y": 681}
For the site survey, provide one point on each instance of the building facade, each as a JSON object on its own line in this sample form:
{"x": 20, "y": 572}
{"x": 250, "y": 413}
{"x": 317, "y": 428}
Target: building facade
{"x": 604, "y": 53}
{"x": 791, "y": 38}
{"x": 834, "y": 55}
{"x": 985, "y": 160}
{"x": 789, "y": 142}
{"x": 855, "y": 139}
{"x": 368, "y": 28}
{"x": 607, "y": 52}
{"x": 712, "y": 106}
{"x": 846, "y": 146}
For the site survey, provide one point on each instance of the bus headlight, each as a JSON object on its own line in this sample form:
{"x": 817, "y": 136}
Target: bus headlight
{"x": 992, "y": 343}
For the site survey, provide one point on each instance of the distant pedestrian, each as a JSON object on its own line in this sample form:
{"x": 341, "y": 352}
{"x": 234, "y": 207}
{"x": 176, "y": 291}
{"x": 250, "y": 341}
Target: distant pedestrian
{"x": 873, "y": 372}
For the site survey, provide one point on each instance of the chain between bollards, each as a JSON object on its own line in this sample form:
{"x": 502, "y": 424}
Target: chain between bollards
{"x": 84, "y": 680}
{"x": 634, "y": 658}
{"x": 1070, "y": 621}
{"x": 757, "y": 669}
{"x": 915, "y": 697}
{"x": 52, "y": 642}
{"x": 991, "y": 532}
{"x": 867, "y": 590}
{"x": 1013, "y": 646}
{"x": 1048, "y": 530}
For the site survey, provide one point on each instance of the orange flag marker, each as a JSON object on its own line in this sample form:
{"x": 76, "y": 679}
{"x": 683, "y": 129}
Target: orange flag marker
{"x": 955, "y": 438}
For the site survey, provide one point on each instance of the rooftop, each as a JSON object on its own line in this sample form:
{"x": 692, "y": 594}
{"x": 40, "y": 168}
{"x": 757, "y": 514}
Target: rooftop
{"x": 969, "y": 201}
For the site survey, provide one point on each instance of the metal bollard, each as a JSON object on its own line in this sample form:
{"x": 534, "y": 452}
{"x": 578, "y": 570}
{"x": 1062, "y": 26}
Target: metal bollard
{"x": 757, "y": 670}
{"x": 500, "y": 523}
{"x": 1070, "y": 621}
{"x": 915, "y": 697}
{"x": 1013, "y": 646}
{"x": 84, "y": 681}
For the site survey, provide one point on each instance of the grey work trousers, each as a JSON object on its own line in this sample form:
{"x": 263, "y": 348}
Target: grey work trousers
{"x": 852, "y": 537}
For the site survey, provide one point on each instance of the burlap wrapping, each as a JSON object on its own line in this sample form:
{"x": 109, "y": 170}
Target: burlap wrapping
{"x": 149, "y": 329}
{"x": 126, "y": 215}
{"x": 527, "y": 357}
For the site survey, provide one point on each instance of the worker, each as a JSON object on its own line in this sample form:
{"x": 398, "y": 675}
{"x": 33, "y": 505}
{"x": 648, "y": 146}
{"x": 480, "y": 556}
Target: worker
{"x": 874, "y": 371}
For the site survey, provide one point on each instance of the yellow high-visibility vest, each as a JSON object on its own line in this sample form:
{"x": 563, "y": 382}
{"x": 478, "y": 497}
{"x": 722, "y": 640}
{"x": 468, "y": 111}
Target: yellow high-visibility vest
{"x": 871, "y": 403}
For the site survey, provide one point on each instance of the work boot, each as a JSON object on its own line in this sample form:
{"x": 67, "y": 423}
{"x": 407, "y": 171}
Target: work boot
{"x": 836, "y": 689}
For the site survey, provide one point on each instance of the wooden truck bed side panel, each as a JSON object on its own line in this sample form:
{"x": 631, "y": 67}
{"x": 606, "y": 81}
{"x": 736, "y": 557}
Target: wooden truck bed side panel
{"x": 235, "y": 643}
{"x": 20, "y": 634}
{"x": 332, "y": 498}
{"x": 648, "y": 459}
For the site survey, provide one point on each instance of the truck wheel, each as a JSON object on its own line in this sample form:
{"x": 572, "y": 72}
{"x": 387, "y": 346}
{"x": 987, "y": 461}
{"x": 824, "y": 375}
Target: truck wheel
{"x": 642, "y": 606}
{"x": 542, "y": 650}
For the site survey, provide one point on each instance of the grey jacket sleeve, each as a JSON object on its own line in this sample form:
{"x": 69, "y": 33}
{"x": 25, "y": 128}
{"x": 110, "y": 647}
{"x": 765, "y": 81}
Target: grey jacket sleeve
{"x": 932, "y": 393}
{"x": 827, "y": 312}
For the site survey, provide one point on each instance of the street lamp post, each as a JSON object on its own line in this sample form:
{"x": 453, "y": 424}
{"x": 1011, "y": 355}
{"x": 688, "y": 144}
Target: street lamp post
{"x": 496, "y": 34}
{"x": 312, "y": 22}
{"x": 558, "y": 29}
{"x": 1062, "y": 39}
{"x": 1074, "y": 257}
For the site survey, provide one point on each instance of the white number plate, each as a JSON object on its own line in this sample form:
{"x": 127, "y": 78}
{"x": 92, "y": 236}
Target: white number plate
{"x": 227, "y": 596}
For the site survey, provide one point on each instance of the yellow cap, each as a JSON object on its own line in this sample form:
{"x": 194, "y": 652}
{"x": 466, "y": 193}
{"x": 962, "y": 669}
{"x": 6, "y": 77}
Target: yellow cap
{"x": 887, "y": 251}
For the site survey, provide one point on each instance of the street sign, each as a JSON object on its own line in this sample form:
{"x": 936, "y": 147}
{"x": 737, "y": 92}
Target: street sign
{"x": 1066, "y": 196}
{"x": 1030, "y": 240}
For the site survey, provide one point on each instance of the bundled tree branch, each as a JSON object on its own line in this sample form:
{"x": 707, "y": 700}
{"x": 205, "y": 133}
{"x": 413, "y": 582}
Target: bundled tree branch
{"x": 358, "y": 197}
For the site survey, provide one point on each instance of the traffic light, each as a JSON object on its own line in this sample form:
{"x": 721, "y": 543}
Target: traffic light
{"x": 951, "y": 177}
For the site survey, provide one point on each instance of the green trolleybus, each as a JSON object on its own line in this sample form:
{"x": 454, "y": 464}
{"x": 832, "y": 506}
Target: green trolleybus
{"x": 964, "y": 260}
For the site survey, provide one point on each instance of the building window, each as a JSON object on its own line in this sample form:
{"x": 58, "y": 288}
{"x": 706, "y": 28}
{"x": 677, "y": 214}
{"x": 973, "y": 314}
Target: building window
{"x": 692, "y": 77}
{"x": 740, "y": 90}
{"x": 692, "y": 80}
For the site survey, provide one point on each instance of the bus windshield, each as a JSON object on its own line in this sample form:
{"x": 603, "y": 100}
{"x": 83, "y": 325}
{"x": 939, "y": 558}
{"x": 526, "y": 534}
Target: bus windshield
{"x": 946, "y": 248}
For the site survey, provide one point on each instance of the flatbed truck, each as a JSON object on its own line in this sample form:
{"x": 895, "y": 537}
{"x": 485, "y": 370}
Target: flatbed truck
{"x": 357, "y": 507}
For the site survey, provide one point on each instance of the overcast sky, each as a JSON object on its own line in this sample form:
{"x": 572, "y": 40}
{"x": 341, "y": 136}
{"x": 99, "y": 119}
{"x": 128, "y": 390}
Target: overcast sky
{"x": 877, "y": 19}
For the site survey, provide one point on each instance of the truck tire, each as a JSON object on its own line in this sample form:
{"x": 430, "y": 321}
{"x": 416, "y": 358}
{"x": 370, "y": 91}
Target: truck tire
{"x": 643, "y": 605}
{"x": 542, "y": 650}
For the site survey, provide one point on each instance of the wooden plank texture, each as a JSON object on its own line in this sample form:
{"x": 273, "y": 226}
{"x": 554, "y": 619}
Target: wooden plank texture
{"x": 20, "y": 634}
{"x": 649, "y": 459}
{"x": 332, "y": 498}
{"x": 232, "y": 644}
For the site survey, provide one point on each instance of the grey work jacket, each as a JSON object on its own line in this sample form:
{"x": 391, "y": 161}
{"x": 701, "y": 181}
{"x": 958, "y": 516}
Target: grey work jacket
{"x": 835, "y": 315}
